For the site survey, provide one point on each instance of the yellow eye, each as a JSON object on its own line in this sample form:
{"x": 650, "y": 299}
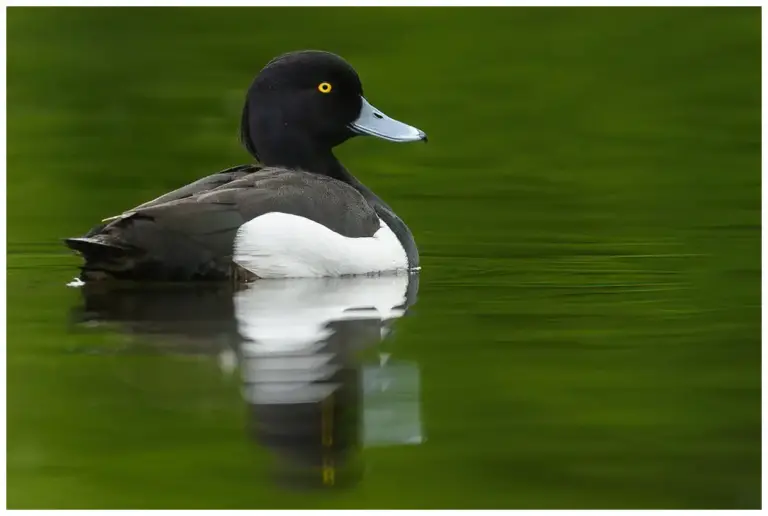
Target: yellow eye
{"x": 324, "y": 87}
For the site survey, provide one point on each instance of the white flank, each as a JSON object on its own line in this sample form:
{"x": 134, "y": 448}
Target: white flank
{"x": 278, "y": 245}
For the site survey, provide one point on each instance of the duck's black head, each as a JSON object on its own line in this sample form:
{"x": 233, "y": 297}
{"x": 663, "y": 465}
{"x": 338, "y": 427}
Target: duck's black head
{"x": 303, "y": 104}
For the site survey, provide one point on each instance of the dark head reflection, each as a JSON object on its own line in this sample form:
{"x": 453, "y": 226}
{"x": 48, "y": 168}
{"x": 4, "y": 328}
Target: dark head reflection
{"x": 318, "y": 383}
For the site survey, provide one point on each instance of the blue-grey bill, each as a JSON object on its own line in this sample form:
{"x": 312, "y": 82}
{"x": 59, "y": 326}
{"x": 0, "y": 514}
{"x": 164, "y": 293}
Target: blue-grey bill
{"x": 373, "y": 122}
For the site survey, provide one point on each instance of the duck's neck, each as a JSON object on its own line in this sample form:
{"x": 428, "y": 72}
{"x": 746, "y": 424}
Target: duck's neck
{"x": 296, "y": 153}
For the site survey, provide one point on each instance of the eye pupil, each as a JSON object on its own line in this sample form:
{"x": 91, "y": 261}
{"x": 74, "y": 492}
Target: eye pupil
{"x": 324, "y": 87}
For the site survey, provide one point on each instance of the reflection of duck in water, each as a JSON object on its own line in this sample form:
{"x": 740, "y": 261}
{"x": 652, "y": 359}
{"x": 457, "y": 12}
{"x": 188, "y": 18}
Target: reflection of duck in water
{"x": 299, "y": 344}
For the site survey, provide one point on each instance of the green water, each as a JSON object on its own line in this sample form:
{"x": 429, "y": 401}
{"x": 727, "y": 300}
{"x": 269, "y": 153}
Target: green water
{"x": 587, "y": 211}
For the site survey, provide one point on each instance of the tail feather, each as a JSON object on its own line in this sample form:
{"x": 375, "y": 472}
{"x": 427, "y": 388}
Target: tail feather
{"x": 173, "y": 242}
{"x": 103, "y": 259}
{"x": 91, "y": 246}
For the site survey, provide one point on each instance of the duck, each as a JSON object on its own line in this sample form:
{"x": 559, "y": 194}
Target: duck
{"x": 295, "y": 212}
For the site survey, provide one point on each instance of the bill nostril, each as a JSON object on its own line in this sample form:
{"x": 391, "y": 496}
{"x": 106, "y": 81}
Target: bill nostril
{"x": 378, "y": 115}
